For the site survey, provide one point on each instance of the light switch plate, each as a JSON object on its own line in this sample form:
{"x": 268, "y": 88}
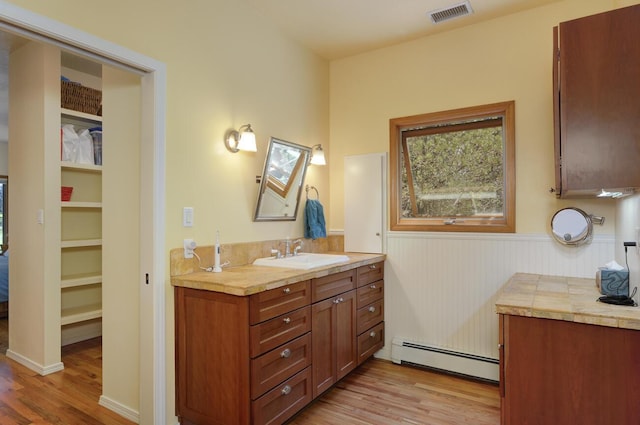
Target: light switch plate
{"x": 187, "y": 217}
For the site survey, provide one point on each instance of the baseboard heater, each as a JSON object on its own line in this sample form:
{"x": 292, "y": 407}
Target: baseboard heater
{"x": 407, "y": 352}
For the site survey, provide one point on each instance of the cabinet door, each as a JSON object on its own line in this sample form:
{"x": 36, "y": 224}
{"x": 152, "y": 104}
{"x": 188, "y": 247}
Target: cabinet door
{"x": 599, "y": 108}
{"x": 561, "y": 372}
{"x": 346, "y": 337}
{"x": 334, "y": 340}
{"x": 323, "y": 345}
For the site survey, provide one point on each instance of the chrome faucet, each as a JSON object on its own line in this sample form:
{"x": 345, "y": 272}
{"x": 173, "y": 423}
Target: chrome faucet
{"x": 288, "y": 243}
{"x": 298, "y": 246}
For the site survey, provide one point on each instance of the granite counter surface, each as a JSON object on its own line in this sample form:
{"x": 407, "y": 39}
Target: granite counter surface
{"x": 250, "y": 279}
{"x": 562, "y": 298}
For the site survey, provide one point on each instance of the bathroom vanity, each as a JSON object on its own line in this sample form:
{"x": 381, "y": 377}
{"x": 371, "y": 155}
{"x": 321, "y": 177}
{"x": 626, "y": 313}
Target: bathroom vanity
{"x": 566, "y": 358}
{"x": 256, "y": 344}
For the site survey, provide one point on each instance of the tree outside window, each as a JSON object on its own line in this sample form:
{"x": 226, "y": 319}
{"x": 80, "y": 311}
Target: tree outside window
{"x": 454, "y": 170}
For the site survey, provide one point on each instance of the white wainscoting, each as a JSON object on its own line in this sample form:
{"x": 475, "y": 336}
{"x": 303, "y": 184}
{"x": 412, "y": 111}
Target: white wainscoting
{"x": 440, "y": 288}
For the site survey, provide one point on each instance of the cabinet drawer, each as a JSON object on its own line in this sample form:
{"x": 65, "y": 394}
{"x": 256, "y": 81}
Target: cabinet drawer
{"x": 370, "y": 315}
{"x": 370, "y": 341}
{"x": 370, "y": 273}
{"x": 274, "y": 302}
{"x": 332, "y": 285}
{"x": 279, "y": 404}
{"x": 272, "y": 333}
{"x": 370, "y": 293}
{"x": 279, "y": 364}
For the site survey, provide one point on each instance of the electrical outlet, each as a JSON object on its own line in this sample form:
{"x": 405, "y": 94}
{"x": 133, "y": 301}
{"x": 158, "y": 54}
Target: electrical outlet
{"x": 189, "y": 246}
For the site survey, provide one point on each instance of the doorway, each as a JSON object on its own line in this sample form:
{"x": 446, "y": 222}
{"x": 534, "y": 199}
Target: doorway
{"x": 150, "y": 276}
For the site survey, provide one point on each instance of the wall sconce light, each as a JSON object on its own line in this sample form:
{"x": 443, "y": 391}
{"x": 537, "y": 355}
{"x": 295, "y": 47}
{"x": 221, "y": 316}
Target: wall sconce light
{"x": 317, "y": 155}
{"x": 244, "y": 139}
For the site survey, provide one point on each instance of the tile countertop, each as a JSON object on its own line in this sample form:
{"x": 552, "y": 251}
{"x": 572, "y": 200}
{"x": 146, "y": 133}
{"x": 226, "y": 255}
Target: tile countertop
{"x": 250, "y": 279}
{"x": 562, "y": 298}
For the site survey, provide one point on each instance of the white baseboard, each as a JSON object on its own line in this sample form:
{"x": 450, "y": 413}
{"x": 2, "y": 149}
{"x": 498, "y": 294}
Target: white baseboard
{"x": 120, "y": 409}
{"x": 36, "y": 367}
{"x": 81, "y": 332}
{"x": 403, "y": 351}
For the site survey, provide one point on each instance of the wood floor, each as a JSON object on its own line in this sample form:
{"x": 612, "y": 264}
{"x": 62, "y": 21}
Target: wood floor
{"x": 69, "y": 397}
{"x": 377, "y": 393}
{"x": 383, "y": 393}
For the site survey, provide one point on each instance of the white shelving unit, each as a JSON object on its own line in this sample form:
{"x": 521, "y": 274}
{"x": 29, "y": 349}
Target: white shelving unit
{"x": 81, "y": 231}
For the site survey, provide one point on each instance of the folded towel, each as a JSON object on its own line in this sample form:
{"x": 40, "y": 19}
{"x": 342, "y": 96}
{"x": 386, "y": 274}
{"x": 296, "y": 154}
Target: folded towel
{"x": 314, "y": 225}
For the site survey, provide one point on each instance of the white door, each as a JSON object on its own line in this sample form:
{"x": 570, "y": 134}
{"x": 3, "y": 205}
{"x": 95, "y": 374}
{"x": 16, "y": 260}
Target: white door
{"x": 365, "y": 183}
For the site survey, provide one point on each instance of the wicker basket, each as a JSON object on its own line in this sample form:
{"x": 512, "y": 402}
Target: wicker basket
{"x": 66, "y": 193}
{"x": 80, "y": 98}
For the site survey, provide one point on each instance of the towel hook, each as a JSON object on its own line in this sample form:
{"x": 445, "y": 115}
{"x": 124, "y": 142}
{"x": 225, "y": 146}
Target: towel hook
{"x": 307, "y": 188}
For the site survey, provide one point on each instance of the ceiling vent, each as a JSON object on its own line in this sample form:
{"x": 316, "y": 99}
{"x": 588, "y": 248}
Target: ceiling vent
{"x": 447, "y": 13}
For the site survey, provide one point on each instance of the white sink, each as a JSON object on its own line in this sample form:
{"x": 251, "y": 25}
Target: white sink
{"x": 303, "y": 261}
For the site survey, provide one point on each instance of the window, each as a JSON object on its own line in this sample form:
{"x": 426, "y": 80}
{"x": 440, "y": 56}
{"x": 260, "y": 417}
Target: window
{"x": 454, "y": 170}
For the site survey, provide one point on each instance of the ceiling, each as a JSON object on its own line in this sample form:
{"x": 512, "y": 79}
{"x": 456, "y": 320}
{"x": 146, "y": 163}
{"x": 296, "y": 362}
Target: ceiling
{"x": 338, "y": 28}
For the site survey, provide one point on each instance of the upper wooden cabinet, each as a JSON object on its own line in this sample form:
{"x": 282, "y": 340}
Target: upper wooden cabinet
{"x": 597, "y": 103}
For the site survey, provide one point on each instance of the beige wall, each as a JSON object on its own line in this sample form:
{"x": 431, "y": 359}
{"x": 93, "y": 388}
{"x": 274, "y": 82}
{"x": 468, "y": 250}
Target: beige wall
{"x": 503, "y": 59}
{"x": 226, "y": 66}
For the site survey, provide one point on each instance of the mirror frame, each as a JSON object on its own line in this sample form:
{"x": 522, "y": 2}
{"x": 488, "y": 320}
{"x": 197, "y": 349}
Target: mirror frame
{"x": 573, "y": 240}
{"x": 277, "y": 187}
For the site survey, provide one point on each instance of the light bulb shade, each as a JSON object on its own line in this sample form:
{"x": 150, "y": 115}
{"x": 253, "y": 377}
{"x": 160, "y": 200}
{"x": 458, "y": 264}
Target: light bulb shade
{"x": 244, "y": 139}
{"x": 317, "y": 155}
{"x": 247, "y": 141}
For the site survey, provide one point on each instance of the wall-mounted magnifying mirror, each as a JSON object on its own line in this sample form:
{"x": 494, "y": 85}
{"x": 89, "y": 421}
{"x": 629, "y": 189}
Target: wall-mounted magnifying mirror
{"x": 572, "y": 226}
{"x": 281, "y": 184}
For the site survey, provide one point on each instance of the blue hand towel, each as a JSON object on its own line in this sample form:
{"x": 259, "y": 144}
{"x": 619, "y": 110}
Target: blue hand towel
{"x": 314, "y": 225}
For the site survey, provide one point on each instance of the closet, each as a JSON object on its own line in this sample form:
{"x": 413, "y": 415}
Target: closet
{"x": 81, "y": 201}
{"x": 75, "y": 265}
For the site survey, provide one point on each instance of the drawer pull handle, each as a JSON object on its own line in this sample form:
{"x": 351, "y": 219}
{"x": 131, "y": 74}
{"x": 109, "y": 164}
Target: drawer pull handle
{"x": 372, "y": 334}
{"x": 372, "y": 287}
{"x": 372, "y": 266}
{"x": 287, "y": 320}
{"x": 338, "y": 300}
{"x": 286, "y": 290}
{"x": 285, "y": 353}
{"x": 372, "y": 309}
{"x": 286, "y": 390}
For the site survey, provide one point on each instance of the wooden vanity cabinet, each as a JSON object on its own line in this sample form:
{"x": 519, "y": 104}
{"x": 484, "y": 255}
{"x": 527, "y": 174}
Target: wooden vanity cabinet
{"x": 558, "y": 372}
{"x": 259, "y": 359}
{"x": 596, "y": 90}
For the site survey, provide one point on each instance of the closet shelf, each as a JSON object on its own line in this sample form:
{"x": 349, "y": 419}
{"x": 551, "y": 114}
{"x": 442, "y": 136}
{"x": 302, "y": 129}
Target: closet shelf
{"x": 80, "y": 280}
{"x": 70, "y": 114}
{"x": 81, "y": 314}
{"x": 89, "y": 205}
{"x": 80, "y": 243}
{"x": 76, "y": 166}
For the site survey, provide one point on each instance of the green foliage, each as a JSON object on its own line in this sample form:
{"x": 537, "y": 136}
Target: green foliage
{"x": 455, "y": 174}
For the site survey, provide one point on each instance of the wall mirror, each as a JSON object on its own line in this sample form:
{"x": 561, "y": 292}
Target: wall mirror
{"x": 572, "y": 226}
{"x": 281, "y": 186}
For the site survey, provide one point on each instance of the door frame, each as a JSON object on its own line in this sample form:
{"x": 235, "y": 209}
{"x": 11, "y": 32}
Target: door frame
{"x": 152, "y": 406}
